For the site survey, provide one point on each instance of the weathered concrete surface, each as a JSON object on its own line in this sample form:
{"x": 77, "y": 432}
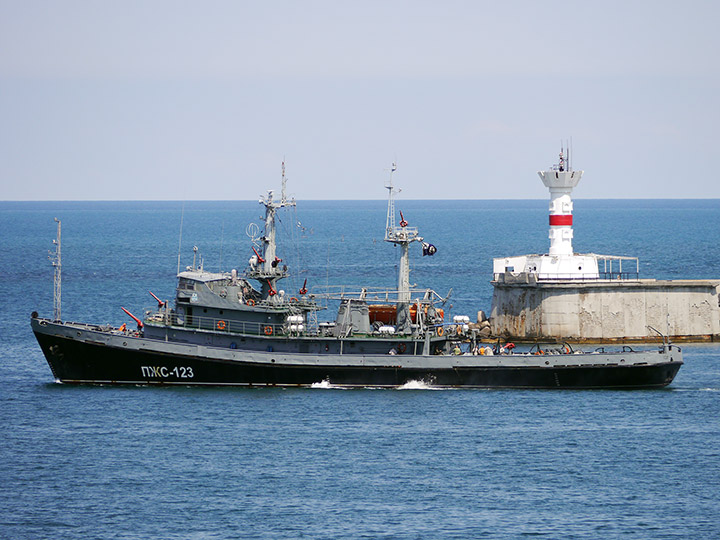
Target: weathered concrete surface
{"x": 602, "y": 310}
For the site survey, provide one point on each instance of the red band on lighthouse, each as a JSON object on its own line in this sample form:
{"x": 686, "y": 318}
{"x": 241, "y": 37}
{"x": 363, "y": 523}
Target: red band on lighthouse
{"x": 560, "y": 220}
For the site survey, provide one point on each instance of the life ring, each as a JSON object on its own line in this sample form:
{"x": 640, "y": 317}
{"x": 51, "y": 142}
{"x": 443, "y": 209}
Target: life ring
{"x": 250, "y": 302}
{"x": 440, "y": 331}
{"x": 221, "y": 325}
{"x": 293, "y": 299}
{"x": 268, "y": 330}
{"x": 402, "y": 348}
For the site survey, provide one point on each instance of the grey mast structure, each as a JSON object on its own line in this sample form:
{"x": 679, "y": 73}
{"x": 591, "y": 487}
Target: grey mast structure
{"x": 266, "y": 268}
{"x": 401, "y": 235}
{"x": 56, "y": 260}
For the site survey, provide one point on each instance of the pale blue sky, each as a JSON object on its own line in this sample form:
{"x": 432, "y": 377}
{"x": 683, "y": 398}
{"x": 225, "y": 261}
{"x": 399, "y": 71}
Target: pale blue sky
{"x": 201, "y": 100}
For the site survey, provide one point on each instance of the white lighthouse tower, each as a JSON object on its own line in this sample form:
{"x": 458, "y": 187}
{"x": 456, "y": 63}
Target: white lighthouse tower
{"x": 561, "y": 180}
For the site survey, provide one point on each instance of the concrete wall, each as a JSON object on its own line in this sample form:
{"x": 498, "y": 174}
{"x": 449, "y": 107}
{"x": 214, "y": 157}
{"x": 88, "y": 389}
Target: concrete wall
{"x": 604, "y": 310}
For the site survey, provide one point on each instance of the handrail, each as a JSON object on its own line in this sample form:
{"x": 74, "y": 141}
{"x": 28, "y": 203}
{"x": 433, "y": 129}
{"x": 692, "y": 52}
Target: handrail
{"x": 225, "y": 325}
{"x": 601, "y": 276}
{"x": 665, "y": 339}
{"x": 374, "y": 294}
{"x": 229, "y": 326}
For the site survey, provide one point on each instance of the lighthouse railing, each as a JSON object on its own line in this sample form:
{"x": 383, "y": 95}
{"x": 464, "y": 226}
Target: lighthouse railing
{"x": 608, "y": 272}
{"x": 609, "y": 268}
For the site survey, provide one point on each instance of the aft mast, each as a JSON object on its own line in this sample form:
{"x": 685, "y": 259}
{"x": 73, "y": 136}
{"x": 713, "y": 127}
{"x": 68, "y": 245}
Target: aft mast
{"x": 403, "y": 236}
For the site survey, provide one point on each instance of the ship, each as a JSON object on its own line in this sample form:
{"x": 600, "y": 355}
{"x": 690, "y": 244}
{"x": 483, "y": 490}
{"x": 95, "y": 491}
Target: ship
{"x": 242, "y": 329}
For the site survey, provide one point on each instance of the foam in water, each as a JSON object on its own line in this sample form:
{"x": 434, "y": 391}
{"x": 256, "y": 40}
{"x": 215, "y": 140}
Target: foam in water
{"x": 416, "y": 385}
{"x": 325, "y": 383}
{"x": 410, "y": 385}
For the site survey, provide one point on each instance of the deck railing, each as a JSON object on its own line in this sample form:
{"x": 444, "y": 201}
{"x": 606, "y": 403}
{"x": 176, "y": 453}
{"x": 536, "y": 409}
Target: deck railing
{"x": 371, "y": 294}
{"x": 217, "y": 324}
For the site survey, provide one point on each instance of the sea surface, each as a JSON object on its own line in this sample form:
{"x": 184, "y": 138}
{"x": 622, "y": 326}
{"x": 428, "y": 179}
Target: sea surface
{"x": 215, "y": 463}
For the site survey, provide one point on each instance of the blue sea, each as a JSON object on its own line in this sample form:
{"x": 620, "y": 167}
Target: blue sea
{"x": 204, "y": 463}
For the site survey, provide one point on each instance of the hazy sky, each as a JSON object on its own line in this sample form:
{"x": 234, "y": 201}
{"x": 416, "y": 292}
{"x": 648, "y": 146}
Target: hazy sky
{"x": 201, "y": 100}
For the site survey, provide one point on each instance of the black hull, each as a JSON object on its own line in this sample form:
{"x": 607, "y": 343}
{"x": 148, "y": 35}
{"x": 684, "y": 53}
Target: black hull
{"x": 74, "y": 361}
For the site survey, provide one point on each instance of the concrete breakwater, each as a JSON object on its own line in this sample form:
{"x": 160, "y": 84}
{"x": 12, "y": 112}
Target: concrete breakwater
{"x": 524, "y": 308}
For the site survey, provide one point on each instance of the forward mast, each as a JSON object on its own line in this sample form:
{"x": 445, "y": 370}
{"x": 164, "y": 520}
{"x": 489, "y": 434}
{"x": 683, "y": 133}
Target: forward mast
{"x": 266, "y": 267}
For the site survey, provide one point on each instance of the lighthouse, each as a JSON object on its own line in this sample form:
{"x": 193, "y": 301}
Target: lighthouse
{"x": 561, "y": 180}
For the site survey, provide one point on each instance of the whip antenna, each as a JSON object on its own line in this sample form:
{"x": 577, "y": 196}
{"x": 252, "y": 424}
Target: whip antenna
{"x": 182, "y": 218}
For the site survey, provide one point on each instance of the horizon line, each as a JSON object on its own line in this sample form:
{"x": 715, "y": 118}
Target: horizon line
{"x": 361, "y": 200}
